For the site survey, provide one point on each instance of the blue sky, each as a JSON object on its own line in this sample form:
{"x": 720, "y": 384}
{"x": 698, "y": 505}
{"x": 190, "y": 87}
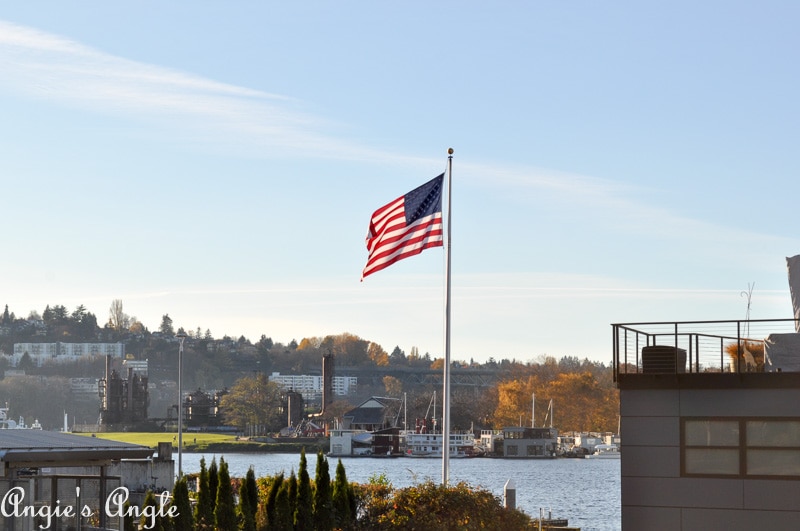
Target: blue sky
{"x": 219, "y": 163}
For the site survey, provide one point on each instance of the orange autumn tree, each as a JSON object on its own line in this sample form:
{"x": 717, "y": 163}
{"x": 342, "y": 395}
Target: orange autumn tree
{"x": 581, "y": 403}
{"x": 393, "y": 386}
{"x": 514, "y": 402}
{"x": 377, "y": 355}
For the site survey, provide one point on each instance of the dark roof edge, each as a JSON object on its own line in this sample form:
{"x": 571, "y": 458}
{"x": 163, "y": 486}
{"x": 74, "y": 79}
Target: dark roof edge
{"x": 15, "y": 455}
{"x": 748, "y": 380}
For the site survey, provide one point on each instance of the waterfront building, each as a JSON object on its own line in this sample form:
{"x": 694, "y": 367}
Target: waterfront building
{"x": 353, "y": 433}
{"x": 710, "y": 428}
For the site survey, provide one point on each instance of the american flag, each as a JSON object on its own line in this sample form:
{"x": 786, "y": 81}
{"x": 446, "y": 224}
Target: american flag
{"x": 405, "y": 226}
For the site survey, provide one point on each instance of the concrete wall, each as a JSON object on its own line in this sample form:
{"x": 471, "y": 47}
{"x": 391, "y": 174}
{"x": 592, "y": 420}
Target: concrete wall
{"x": 654, "y": 495}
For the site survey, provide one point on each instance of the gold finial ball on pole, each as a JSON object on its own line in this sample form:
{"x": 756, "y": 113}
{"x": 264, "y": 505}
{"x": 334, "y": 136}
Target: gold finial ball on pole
{"x": 449, "y": 151}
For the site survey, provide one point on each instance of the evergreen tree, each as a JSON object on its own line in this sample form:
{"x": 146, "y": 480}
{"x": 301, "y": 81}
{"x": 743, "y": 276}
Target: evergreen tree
{"x": 25, "y": 362}
{"x": 204, "y": 511}
{"x": 291, "y": 484}
{"x": 252, "y": 491}
{"x": 283, "y": 513}
{"x": 303, "y": 511}
{"x": 166, "y": 326}
{"x": 225, "y": 511}
{"x": 47, "y": 314}
{"x": 213, "y": 483}
{"x": 265, "y": 342}
{"x": 182, "y": 521}
{"x": 344, "y": 509}
{"x": 247, "y": 514}
{"x": 149, "y": 522}
{"x": 277, "y": 483}
{"x": 127, "y": 518}
{"x": 323, "y": 504}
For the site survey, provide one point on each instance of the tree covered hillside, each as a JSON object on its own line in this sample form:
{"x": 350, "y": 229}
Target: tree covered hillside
{"x": 485, "y": 395}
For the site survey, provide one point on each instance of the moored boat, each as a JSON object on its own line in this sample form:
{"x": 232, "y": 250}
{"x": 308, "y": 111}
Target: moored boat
{"x": 605, "y": 451}
{"x": 427, "y": 440}
{"x": 530, "y": 443}
{"x": 8, "y": 424}
{"x": 422, "y": 443}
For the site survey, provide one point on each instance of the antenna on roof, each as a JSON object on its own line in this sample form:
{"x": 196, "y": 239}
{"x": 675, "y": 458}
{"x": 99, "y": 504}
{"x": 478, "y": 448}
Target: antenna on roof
{"x": 749, "y": 295}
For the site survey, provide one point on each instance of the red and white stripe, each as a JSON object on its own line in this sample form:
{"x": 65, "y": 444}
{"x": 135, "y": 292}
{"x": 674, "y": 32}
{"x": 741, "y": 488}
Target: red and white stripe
{"x": 390, "y": 239}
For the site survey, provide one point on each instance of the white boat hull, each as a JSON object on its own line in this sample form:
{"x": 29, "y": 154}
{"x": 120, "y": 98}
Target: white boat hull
{"x": 430, "y": 445}
{"x": 604, "y": 451}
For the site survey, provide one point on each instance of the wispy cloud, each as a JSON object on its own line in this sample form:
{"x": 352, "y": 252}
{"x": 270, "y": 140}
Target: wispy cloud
{"x": 45, "y": 66}
{"x": 41, "y": 65}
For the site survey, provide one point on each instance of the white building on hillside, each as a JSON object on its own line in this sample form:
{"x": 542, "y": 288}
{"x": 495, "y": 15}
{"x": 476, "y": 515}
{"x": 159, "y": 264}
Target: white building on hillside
{"x": 65, "y": 352}
{"x": 310, "y": 386}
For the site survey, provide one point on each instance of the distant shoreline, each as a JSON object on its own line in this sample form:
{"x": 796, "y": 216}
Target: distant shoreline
{"x": 288, "y": 447}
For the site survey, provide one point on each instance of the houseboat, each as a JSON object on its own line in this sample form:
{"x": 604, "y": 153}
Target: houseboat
{"x": 426, "y": 441}
{"x": 530, "y": 442}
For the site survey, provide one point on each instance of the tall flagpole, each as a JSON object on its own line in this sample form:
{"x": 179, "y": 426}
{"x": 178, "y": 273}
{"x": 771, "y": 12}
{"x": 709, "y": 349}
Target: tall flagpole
{"x": 446, "y": 385}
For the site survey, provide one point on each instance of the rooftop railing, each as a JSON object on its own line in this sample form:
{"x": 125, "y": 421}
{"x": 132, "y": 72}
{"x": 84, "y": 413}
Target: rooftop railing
{"x": 762, "y": 345}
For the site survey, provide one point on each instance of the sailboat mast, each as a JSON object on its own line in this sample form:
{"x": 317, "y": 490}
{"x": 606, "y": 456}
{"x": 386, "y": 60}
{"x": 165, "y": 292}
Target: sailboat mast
{"x": 405, "y": 412}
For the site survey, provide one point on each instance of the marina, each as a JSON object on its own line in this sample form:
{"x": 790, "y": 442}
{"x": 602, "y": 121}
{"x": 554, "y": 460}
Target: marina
{"x": 376, "y": 428}
{"x": 515, "y": 442}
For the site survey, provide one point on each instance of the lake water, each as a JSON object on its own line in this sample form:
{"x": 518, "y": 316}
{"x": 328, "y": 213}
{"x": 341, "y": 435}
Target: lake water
{"x": 585, "y": 491}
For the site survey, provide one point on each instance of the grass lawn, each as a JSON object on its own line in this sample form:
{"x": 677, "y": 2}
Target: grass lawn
{"x": 191, "y": 441}
{"x": 211, "y": 442}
